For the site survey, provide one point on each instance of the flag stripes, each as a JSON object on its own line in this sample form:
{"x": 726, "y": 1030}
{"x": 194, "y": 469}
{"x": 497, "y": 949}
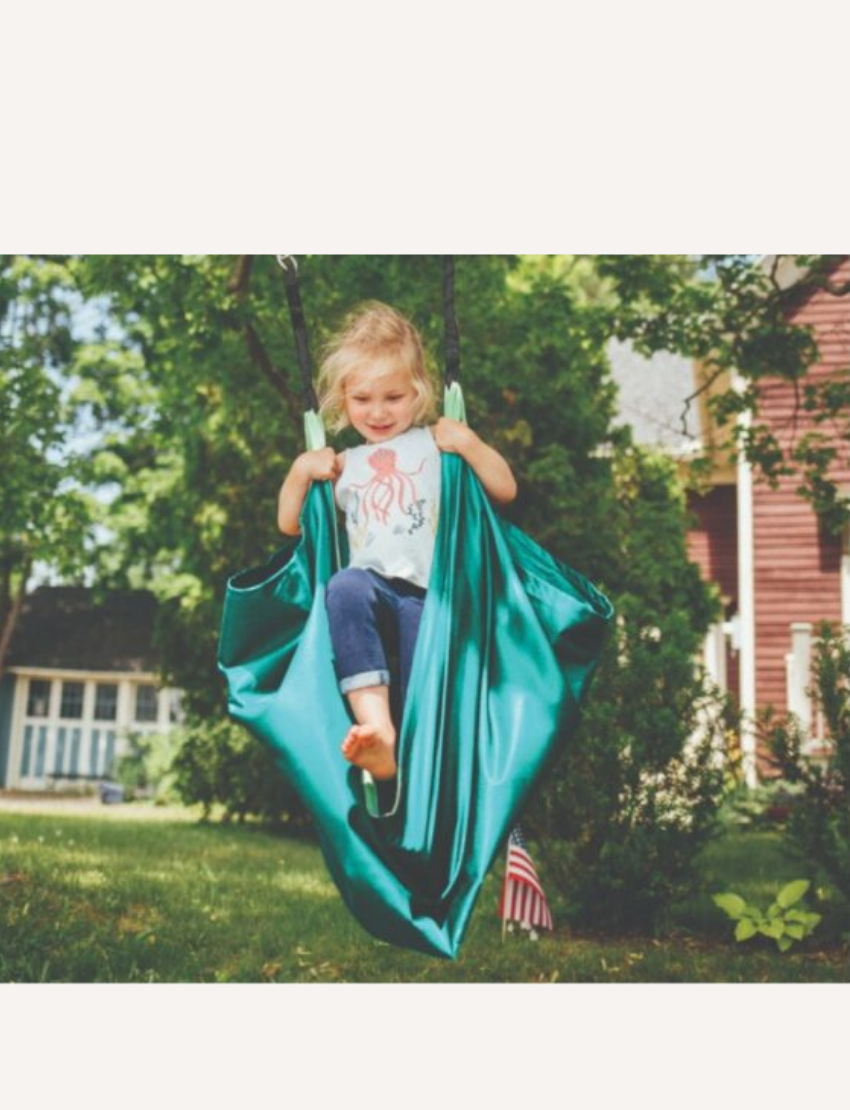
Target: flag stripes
{"x": 523, "y": 899}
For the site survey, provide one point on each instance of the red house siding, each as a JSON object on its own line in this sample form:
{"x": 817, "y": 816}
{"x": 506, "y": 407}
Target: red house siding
{"x": 797, "y": 565}
{"x": 713, "y": 539}
{"x": 713, "y": 546}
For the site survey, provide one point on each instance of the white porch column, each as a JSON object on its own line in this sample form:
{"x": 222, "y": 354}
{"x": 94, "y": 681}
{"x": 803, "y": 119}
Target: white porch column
{"x": 714, "y": 654}
{"x": 746, "y": 609}
{"x": 163, "y": 718}
{"x": 800, "y": 674}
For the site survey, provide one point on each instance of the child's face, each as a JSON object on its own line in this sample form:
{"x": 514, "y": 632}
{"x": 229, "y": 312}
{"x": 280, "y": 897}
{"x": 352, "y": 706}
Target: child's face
{"x": 381, "y": 405}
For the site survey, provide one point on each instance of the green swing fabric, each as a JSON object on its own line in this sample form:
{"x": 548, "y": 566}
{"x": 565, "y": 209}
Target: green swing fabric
{"x": 507, "y": 646}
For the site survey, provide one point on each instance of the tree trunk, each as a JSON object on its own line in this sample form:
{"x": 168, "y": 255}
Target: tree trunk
{"x": 11, "y": 618}
{"x": 5, "y": 587}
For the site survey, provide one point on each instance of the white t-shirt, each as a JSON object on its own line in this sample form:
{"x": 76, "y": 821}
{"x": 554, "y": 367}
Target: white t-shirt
{"x": 390, "y": 494}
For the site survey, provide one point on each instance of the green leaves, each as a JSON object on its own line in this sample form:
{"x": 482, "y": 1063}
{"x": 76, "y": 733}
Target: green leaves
{"x": 792, "y": 892}
{"x": 732, "y": 313}
{"x": 45, "y": 512}
{"x": 819, "y": 821}
{"x": 780, "y": 923}
{"x": 745, "y": 929}
{"x": 733, "y": 904}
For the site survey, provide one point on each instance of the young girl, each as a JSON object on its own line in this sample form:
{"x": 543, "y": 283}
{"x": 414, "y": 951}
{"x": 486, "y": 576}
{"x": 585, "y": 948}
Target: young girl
{"x": 374, "y": 378}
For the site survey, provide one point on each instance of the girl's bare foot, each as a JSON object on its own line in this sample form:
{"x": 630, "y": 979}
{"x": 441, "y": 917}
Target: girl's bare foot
{"x": 373, "y": 749}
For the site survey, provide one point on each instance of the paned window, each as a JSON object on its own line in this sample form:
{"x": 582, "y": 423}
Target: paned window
{"x": 72, "y": 700}
{"x": 147, "y": 704}
{"x": 38, "y": 698}
{"x": 106, "y": 701}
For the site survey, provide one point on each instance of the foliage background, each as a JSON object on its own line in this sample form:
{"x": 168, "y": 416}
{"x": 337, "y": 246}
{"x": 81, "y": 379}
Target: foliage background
{"x": 186, "y": 402}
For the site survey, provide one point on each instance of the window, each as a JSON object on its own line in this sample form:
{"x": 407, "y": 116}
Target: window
{"x": 106, "y": 701}
{"x": 72, "y": 700}
{"x": 38, "y": 701}
{"x": 147, "y": 703}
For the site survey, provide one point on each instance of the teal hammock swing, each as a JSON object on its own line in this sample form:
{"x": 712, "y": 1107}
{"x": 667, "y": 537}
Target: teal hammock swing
{"x": 507, "y": 646}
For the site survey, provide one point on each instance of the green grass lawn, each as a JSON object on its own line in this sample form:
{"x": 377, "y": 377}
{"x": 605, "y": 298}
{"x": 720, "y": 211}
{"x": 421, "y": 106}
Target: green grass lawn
{"x": 118, "y": 898}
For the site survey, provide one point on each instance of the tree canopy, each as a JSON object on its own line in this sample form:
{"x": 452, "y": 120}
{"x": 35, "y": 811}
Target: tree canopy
{"x": 734, "y": 314}
{"x": 46, "y": 513}
{"x": 194, "y": 391}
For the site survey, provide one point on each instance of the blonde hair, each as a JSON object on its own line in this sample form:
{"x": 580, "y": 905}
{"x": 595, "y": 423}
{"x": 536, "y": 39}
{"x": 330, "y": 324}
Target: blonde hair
{"x": 371, "y": 331}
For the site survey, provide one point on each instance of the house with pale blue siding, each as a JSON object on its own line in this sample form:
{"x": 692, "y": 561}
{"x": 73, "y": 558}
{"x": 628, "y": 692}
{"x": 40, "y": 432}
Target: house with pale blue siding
{"x": 80, "y": 680}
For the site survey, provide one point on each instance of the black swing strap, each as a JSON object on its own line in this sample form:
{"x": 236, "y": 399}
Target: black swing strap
{"x": 450, "y": 321}
{"x": 289, "y": 265}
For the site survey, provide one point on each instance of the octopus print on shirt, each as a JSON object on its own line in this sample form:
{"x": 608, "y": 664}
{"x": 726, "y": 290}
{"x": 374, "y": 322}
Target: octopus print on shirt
{"x": 390, "y": 493}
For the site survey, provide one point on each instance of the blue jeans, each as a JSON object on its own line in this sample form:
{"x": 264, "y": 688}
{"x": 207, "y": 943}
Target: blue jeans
{"x": 373, "y": 619}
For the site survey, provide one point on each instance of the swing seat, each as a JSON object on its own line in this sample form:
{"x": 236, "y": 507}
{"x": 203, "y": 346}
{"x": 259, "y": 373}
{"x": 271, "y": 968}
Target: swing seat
{"x": 507, "y": 646}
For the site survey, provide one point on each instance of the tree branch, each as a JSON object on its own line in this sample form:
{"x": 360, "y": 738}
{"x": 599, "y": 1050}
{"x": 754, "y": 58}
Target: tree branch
{"x": 261, "y": 359}
{"x": 241, "y": 275}
{"x": 239, "y": 287}
{"x": 706, "y": 385}
{"x": 818, "y": 278}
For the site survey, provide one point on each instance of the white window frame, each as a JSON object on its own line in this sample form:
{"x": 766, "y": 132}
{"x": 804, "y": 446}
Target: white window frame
{"x": 121, "y": 726}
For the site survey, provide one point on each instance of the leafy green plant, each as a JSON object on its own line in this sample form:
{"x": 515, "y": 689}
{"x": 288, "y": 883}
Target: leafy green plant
{"x": 819, "y": 823}
{"x": 634, "y": 800}
{"x": 783, "y": 921}
{"x": 763, "y": 806}
{"x": 220, "y": 764}
{"x": 145, "y": 768}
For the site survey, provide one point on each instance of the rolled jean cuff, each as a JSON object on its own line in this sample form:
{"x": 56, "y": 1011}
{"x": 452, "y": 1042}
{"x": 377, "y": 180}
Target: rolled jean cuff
{"x": 365, "y": 678}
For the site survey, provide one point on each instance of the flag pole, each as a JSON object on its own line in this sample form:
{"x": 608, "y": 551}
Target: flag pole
{"x": 505, "y": 893}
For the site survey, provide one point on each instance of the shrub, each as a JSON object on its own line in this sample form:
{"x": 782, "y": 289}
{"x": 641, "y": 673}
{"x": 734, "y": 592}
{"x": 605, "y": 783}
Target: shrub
{"x": 145, "y": 768}
{"x": 636, "y": 795}
{"x": 818, "y": 826}
{"x": 767, "y": 805}
{"x": 619, "y": 836}
{"x": 219, "y": 763}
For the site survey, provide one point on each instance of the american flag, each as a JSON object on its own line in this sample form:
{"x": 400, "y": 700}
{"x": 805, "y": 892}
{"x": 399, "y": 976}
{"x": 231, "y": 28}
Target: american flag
{"x": 523, "y": 899}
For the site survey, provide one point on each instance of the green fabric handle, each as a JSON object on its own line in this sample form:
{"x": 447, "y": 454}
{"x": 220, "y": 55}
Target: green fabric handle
{"x": 314, "y": 430}
{"x": 508, "y": 643}
{"x": 454, "y": 405}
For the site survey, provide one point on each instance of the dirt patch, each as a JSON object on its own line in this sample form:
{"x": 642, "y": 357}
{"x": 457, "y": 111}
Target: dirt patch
{"x": 13, "y": 877}
{"x": 138, "y": 918}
